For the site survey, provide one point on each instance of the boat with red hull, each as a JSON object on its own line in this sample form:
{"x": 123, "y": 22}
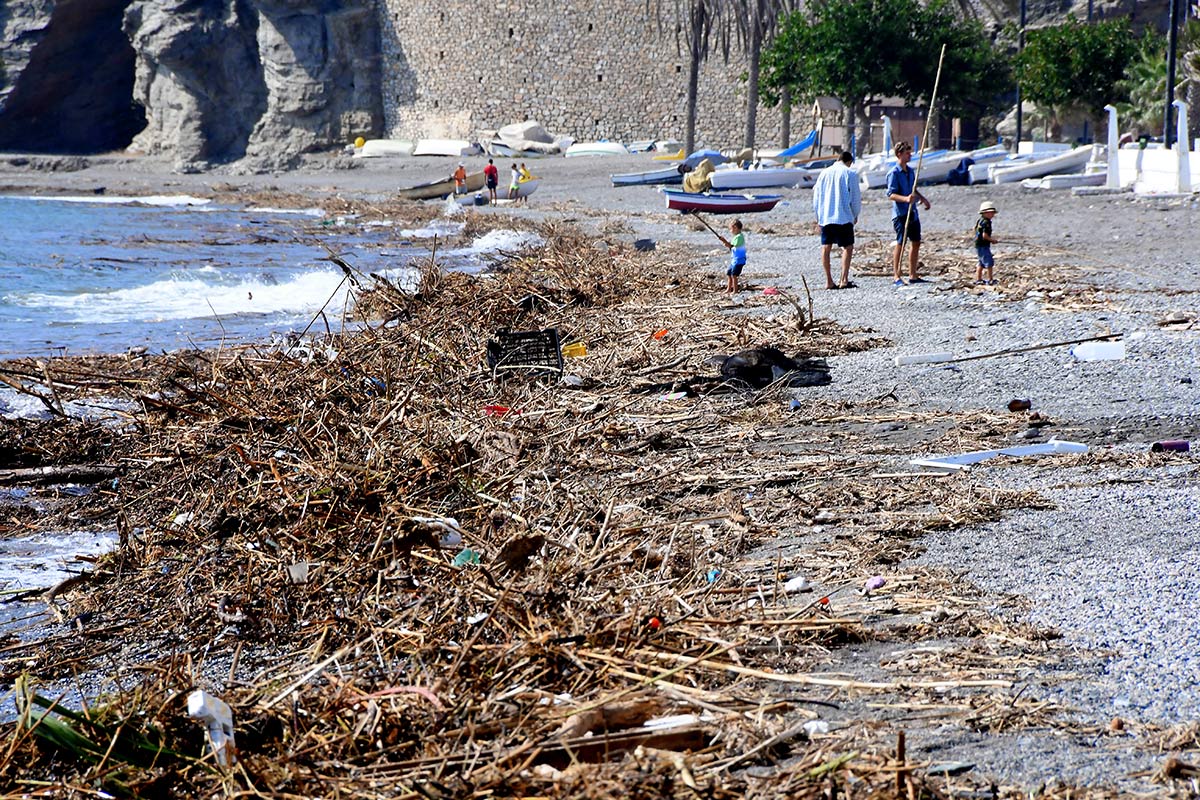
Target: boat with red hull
{"x": 687, "y": 202}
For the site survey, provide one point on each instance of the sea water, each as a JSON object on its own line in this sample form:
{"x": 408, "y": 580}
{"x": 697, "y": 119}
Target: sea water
{"x": 103, "y": 275}
{"x": 162, "y": 273}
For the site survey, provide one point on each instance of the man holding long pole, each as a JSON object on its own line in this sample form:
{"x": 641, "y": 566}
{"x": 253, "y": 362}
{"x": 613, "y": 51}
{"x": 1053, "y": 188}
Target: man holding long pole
{"x": 902, "y": 191}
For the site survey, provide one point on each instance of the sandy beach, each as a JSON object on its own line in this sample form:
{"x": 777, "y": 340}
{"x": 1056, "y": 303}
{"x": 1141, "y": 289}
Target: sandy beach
{"x": 1036, "y": 624}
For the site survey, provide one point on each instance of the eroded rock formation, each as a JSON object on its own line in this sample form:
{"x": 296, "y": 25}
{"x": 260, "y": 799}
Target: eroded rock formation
{"x": 205, "y": 81}
{"x": 67, "y": 77}
{"x": 269, "y": 79}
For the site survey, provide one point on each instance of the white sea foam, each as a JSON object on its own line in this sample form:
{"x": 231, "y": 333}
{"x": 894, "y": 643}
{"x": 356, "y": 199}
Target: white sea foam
{"x": 192, "y": 298}
{"x": 146, "y": 200}
{"x": 45, "y": 559}
{"x": 493, "y": 241}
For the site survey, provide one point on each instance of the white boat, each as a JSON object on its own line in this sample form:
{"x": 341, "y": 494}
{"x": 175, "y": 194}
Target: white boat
{"x": 666, "y": 175}
{"x": 382, "y": 148}
{"x": 480, "y": 198}
{"x": 763, "y": 178}
{"x": 938, "y": 168}
{"x": 445, "y": 147}
{"x": 873, "y": 170}
{"x": 1058, "y": 164}
{"x": 1095, "y": 175}
{"x": 596, "y": 149}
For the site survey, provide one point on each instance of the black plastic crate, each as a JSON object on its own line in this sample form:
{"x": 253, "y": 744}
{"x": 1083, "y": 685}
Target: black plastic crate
{"x": 535, "y": 351}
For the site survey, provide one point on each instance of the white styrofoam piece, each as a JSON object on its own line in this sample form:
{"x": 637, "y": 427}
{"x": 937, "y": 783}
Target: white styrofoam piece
{"x": 957, "y": 462}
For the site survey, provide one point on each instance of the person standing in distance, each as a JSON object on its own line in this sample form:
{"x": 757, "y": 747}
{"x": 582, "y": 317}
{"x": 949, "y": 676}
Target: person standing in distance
{"x": 514, "y": 183}
{"x": 902, "y": 191}
{"x": 492, "y": 177}
{"x": 837, "y": 202}
{"x": 460, "y": 179}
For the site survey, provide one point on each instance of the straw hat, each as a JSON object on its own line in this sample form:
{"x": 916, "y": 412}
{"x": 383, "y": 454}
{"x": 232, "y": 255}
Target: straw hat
{"x": 987, "y": 205}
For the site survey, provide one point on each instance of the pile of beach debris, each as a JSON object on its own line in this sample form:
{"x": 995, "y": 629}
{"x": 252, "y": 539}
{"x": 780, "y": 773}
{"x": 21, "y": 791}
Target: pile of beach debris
{"x": 412, "y": 573}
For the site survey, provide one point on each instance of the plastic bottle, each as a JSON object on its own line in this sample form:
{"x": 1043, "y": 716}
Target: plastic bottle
{"x": 1099, "y": 351}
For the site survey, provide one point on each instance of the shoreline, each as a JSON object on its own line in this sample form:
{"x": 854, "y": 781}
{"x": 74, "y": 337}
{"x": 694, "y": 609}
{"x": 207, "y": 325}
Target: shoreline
{"x": 1100, "y": 287}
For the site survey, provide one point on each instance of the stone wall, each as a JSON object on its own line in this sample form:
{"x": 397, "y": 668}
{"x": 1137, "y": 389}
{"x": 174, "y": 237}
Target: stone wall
{"x": 591, "y": 70}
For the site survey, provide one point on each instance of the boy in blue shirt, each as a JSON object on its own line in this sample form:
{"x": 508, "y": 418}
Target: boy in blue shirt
{"x": 902, "y": 191}
{"x": 983, "y": 243}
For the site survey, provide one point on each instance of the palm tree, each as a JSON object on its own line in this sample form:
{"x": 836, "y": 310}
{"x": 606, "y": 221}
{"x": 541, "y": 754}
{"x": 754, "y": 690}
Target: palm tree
{"x": 1145, "y": 84}
{"x": 695, "y": 22}
{"x": 1191, "y": 68}
{"x": 756, "y": 22}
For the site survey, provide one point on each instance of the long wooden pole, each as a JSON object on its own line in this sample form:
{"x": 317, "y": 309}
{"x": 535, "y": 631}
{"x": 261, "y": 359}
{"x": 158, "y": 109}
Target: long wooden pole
{"x": 921, "y": 156}
{"x": 696, "y": 214}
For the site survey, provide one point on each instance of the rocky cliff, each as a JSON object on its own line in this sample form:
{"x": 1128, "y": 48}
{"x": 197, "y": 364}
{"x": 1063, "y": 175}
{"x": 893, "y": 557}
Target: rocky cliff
{"x": 66, "y": 77}
{"x": 206, "y": 81}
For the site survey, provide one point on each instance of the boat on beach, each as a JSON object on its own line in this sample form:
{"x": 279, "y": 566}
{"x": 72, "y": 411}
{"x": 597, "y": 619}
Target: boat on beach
{"x": 443, "y": 187}
{"x": 445, "y": 147}
{"x": 383, "y": 148}
{"x": 664, "y": 175}
{"x": 596, "y": 149}
{"x": 718, "y": 203}
{"x": 764, "y": 178}
{"x": 1071, "y": 161}
{"x": 1069, "y": 181}
{"x": 480, "y": 197}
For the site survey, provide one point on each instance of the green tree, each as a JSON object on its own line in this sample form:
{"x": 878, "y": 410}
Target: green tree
{"x": 861, "y": 50}
{"x": 977, "y": 73}
{"x": 1145, "y": 84}
{"x": 1076, "y": 66}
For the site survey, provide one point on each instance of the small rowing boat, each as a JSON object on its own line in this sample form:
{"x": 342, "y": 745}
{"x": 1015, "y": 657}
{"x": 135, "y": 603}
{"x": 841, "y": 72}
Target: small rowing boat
{"x": 664, "y": 175}
{"x": 686, "y": 202}
{"x": 596, "y": 149}
{"x": 763, "y": 178}
{"x": 440, "y": 188}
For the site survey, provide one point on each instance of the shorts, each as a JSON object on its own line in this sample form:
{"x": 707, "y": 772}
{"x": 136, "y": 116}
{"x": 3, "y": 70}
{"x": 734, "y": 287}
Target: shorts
{"x": 735, "y": 269}
{"x": 513, "y": 188}
{"x": 842, "y": 235}
{"x": 985, "y": 256}
{"x": 914, "y": 228}
{"x": 491, "y": 183}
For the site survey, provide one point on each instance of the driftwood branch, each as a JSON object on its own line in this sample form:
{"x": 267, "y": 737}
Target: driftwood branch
{"x": 67, "y": 473}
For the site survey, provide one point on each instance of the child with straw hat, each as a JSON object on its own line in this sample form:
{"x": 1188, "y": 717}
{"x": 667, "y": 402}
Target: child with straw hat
{"x": 983, "y": 243}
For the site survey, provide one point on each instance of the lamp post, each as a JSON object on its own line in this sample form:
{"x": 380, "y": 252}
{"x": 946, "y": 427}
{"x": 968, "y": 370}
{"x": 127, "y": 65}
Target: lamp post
{"x": 1020, "y": 47}
{"x": 1172, "y": 44}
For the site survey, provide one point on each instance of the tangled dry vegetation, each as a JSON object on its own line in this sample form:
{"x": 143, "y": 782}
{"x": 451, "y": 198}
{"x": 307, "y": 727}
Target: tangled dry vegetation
{"x": 285, "y": 545}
